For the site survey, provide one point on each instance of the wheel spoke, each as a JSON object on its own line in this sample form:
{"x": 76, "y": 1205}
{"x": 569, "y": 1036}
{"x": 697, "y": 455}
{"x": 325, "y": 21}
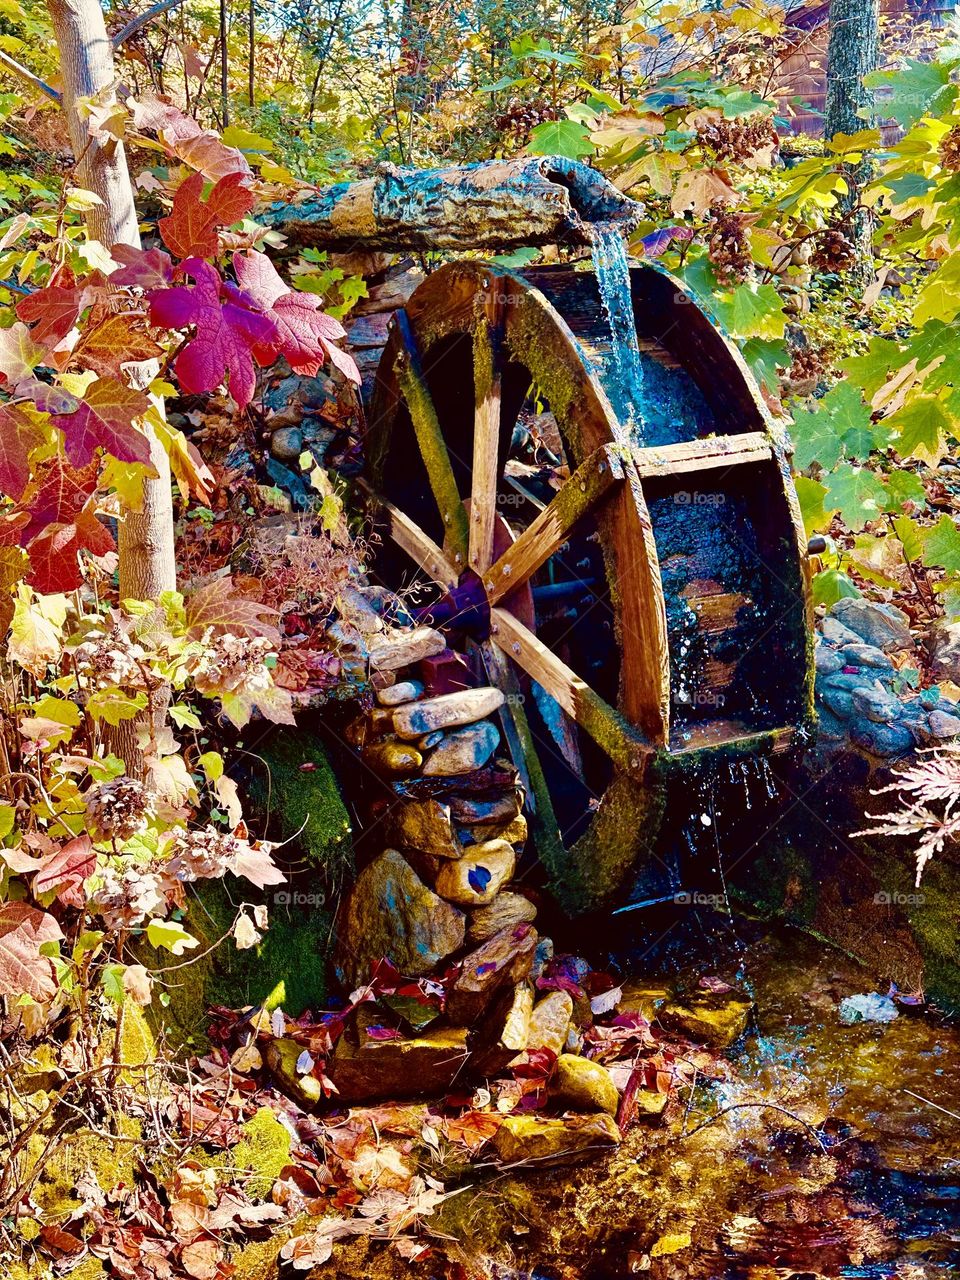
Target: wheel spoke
{"x": 487, "y": 365}
{"x": 433, "y": 447}
{"x": 419, "y": 546}
{"x": 624, "y": 744}
{"x": 550, "y": 529}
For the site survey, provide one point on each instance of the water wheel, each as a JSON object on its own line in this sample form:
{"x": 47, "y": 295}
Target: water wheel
{"x": 636, "y": 588}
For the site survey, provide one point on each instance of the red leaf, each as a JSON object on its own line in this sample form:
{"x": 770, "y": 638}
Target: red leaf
{"x": 18, "y": 435}
{"x": 141, "y": 268}
{"x": 65, "y": 871}
{"x": 52, "y": 312}
{"x": 54, "y": 552}
{"x": 23, "y": 970}
{"x": 105, "y": 420}
{"x": 61, "y": 494}
{"x": 229, "y": 334}
{"x": 306, "y": 334}
{"x": 191, "y": 230}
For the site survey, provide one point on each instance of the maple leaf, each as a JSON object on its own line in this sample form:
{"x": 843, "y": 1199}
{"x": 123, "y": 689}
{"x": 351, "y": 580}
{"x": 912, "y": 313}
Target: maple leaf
{"x": 51, "y": 312}
{"x": 114, "y": 342}
{"x": 230, "y": 334}
{"x": 23, "y": 969}
{"x": 217, "y": 606}
{"x": 190, "y": 231}
{"x": 60, "y": 493}
{"x": 20, "y": 353}
{"x": 19, "y": 433}
{"x": 64, "y": 871}
{"x": 54, "y": 552}
{"x": 141, "y": 268}
{"x": 105, "y": 420}
{"x": 306, "y": 334}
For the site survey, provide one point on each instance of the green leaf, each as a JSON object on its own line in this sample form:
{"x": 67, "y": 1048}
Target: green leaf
{"x": 912, "y": 186}
{"x": 811, "y": 494}
{"x": 911, "y": 536}
{"x": 838, "y": 426}
{"x": 170, "y": 934}
{"x": 941, "y": 545}
{"x": 211, "y": 762}
{"x": 870, "y": 371}
{"x": 904, "y": 486}
{"x": 912, "y": 92}
{"x": 939, "y": 299}
{"x": 831, "y": 585}
{"x": 921, "y": 426}
{"x": 857, "y": 493}
{"x": 763, "y": 357}
{"x": 88, "y": 941}
{"x": 184, "y": 718}
{"x": 8, "y": 816}
{"x": 112, "y": 983}
{"x": 751, "y": 311}
{"x": 113, "y": 705}
{"x": 244, "y": 140}
{"x": 561, "y": 138}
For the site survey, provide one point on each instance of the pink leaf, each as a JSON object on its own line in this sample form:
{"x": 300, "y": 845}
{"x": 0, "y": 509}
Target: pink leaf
{"x": 23, "y": 970}
{"x": 65, "y": 871}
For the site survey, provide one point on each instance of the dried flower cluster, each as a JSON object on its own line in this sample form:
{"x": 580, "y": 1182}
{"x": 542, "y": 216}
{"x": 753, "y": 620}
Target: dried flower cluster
{"x": 834, "y": 252}
{"x": 950, "y": 150}
{"x": 235, "y": 664}
{"x": 118, "y": 809}
{"x": 111, "y": 658}
{"x": 728, "y": 246}
{"x": 739, "y": 141}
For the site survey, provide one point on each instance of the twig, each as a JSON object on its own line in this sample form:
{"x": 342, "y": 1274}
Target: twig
{"x": 135, "y": 24}
{"x": 763, "y": 1106}
{"x": 936, "y": 1106}
{"x": 26, "y": 74}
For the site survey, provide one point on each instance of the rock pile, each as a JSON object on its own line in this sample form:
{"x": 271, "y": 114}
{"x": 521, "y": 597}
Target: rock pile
{"x": 861, "y": 697}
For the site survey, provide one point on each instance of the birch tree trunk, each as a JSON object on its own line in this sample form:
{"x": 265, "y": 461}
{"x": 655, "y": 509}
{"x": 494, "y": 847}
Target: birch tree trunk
{"x": 147, "y": 560}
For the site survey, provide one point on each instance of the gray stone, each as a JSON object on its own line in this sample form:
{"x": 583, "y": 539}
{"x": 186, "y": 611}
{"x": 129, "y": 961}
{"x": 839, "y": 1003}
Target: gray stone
{"x": 943, "y": 646}
{"x": 839, "y": 701}
{"x": 878, "y": 624}
{"x": 504, "y": 959}
{"x": 470, "y": 811}
{"x": 391, "y": 914}
{"x": 402, "y": 691}
{"x": 400, "y": 648}
{"x": 463, "y": 750}
{"x": 833, "y": 630}
{"x": 881, "y": 739}
{"x": 506, "y": 910}
{"x": 448, "y": 711}
{"x": 876, "y": 705}
{"x": 827, "y": 660}
{"x": 830, "y": 727}
{"x": 866, "y": 655}
{"x": 944, "y": 725}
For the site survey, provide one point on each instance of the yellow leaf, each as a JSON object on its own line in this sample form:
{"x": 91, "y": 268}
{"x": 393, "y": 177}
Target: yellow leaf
{"x": 34, "y": 639}
{"x": 671, "y": 1244}
{"x": 699, "y": 189}
{"x": 126, "y": 480}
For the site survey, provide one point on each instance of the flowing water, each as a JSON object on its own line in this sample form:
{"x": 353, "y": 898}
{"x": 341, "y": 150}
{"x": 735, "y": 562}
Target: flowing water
{"x": 623, "y": 374}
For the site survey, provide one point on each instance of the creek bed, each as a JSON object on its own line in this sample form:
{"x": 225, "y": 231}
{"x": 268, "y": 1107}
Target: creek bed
{"x": 860, "y": 1179}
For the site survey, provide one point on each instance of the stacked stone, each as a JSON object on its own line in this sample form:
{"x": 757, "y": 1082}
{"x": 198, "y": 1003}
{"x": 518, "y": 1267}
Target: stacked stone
{"x": 856, "y": 679}
{"x": 439, "y": 900}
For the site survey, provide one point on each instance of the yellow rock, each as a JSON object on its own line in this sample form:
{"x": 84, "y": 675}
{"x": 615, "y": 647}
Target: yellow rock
{"x": 585, "y": 1085}
{"x": 531, "y": 1137}
{"x": 713, "y": 1020}
{"x": 550, "y": 1022}
{"x": 507, "y": 909}
{"x": 475, "y": 879}
{"x": 393, "y": 759}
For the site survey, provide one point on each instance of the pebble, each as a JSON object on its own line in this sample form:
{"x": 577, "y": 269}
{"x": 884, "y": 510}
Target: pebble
{"x": 507, "y": 909}
{"x": 876, "y": 705}
{"x": 393, "y": 759}
{"x": 286, "y": 444}
{"x": 449, "y": 711}
{"x": 826, "y": 660}
{"x": 881, "y": 739}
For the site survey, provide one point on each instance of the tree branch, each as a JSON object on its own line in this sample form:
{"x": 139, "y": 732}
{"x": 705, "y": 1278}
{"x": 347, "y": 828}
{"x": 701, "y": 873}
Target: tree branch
{"x": 25, "y": 74}
{"x": 135, "y": 24}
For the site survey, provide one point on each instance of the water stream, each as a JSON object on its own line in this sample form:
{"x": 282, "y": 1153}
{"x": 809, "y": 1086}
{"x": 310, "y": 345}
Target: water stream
{"x": 623, "y": 372}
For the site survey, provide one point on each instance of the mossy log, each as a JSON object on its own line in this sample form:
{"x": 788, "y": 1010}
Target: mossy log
{"x": 500, "y": 204}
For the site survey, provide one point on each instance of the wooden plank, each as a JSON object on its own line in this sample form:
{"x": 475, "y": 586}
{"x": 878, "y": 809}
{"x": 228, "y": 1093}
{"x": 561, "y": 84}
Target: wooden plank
{"x": 551, "y": 528}
{"x": 409, "y": 537}
{"x": 701, "y": 455}
{"x": 487, "y": 365}
{"x": 625, "y": 745}
{"x": 433, "y": 447}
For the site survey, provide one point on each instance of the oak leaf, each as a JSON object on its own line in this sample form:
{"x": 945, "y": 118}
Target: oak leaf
{"x": 20, "y": 353}
{"x": 105, "y": 420}
{"x": 190, "y": 231}
{"x": 65, "y": 871}
{"x": 141, "y": 268}
{"x": 19, "y": 433}
{"x": 184, "y": 138}
{"x": 114, "y": 342}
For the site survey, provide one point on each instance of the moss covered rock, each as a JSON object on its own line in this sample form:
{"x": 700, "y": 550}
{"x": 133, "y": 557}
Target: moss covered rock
{"x": 264, "y": 1150}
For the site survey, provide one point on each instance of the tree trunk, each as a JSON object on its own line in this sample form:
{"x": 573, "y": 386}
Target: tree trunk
{"x": 853, "y": 51}
{"x": 147, "y": 559}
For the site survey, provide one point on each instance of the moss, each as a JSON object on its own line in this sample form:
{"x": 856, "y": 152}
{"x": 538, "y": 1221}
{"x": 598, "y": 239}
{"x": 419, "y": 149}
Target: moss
{"x": 264, "y": 1149}
{"x": 111, "y": 1163}
{"x": 305, "y": 804}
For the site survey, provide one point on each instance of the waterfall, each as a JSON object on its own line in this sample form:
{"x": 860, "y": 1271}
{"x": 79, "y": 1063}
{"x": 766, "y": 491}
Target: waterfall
{"x": 624, "y": 380}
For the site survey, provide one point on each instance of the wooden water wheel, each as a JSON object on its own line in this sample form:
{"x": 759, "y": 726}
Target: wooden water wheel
{"x": 639, "y": 592}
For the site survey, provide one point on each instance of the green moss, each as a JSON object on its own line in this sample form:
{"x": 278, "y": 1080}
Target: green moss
{"x": 111, "y": 1163}
{"x": 306, "y": 804}
{"x": 264, "y": 1149}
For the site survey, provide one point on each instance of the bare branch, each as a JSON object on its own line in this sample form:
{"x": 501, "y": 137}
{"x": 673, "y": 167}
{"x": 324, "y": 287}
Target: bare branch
{"x": 135, "y": 24}
{"x": 25, "y": 74}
